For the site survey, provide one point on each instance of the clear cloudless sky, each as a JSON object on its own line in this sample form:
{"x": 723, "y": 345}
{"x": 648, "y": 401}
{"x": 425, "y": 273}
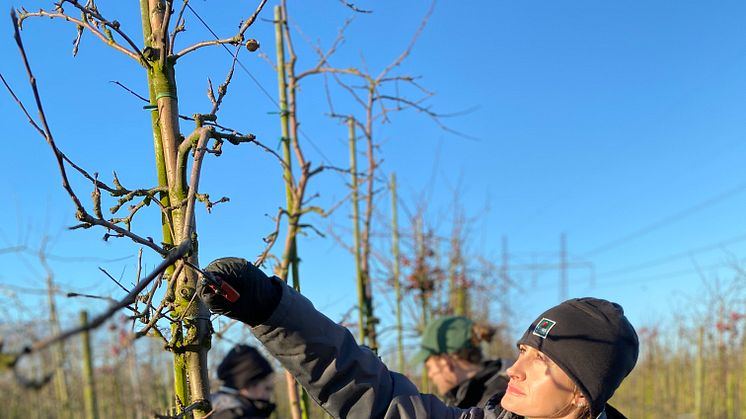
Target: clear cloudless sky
{"x": 619, "y": 124}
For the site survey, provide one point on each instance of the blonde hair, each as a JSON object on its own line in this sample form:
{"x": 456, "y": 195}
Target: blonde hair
{"x": 585, "y": 409}
{"x": 585, "y": 413}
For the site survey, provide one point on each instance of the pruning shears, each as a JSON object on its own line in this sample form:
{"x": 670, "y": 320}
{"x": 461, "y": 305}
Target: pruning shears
{"x": 220, "y": 286}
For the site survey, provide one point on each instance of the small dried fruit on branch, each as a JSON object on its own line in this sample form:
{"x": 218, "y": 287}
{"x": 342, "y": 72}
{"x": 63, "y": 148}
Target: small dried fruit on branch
{"x": 252, "y": 45}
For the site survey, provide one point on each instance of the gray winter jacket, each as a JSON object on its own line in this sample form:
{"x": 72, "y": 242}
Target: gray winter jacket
{"x": 346, "y": 380}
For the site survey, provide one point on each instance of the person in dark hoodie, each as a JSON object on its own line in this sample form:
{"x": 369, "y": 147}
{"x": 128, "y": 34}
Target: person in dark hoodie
{"x": 248, "y": 385}
{"x": 455, "y": 364}
{"x": 572, "y": 358}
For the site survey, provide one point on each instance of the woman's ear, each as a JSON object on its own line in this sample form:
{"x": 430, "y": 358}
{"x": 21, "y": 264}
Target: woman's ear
{"x": 580, "y": 401}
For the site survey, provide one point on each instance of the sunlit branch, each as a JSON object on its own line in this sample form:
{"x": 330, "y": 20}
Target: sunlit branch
{"x": 137, "y": 57}
{"x": 236, "y": 39}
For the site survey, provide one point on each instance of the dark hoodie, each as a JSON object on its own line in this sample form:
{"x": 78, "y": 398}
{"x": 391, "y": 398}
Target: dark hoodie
{"x": 229, "y": 404}
{"x": 491, "y": 381}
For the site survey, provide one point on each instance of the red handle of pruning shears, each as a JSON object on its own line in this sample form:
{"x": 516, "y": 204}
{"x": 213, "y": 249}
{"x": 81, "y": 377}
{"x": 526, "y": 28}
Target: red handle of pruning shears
{"x": 221, "y": 287}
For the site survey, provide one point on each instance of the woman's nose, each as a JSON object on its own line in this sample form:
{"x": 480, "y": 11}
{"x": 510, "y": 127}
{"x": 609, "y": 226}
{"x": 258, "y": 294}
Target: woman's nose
{"x": 515, "y": 371}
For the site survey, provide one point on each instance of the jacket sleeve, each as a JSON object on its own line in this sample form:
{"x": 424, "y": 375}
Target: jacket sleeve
{"x": 345, "y": 379}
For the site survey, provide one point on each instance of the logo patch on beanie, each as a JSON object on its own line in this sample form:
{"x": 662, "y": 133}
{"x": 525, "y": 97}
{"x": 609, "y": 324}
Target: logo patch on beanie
{"x": 543, "y": 327}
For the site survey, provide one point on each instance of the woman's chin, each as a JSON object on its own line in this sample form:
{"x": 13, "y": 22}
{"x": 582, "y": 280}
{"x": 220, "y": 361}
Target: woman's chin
{"x": 511, "y": 404}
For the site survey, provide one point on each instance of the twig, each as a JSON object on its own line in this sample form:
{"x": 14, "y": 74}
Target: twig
{"x": 129, "y": 90}
{"x": 152, "y": 321}
{"x": 45, "y": 131}
{"x": 433, "y": 115}
{"x": 338, "y": 204}
{"x": 178, "y": 27}
{"x": 113, "y": 25}
{"x": 91, "y": 296}
{"x": 349, "y": 89}
{"x": 205, "y": 198}
{"x": 113, "y": 279}
{"x": 199, "y": 404}
{"x": 149, "y": 298}
{"x": 169, "y": 260}
{"x": 412, "y": 42}
{"x": 236, "y": 39}
{"x": 78, "y": 38}
{"x": 135, "y": 56}
{"x": 168, "y": 11}
{"x": 148, "y": 194}
{"x": 354, "y": 8}
{"x": 236, "y": 138}
{"x": 324, "y": 56}
{"x": 31, "y": 120}
{"x": 199, "y": 153}
{"x": 223, "y": 88}
{"x": 137, "y": 279}
{"x": 271, "y": 238}
{"x": 312, "y": 227}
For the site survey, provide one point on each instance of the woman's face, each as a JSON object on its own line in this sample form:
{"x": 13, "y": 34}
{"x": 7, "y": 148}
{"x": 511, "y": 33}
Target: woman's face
{"x": 538, "y": 388}
{"x": 441, "y": 372}
{"x": 261, "y": 390}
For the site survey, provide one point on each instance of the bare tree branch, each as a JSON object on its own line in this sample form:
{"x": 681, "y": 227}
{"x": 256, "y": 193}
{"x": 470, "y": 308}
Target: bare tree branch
{"x": 271, "y": 238}
{"x": 412, "y": 42}
{"x": 349, "y": 89}
{"x": 129, "y": 90}
{"x": 236, "y": 39}
{"x": 137, "y": 56}
{"x": 223, "y": 88}
{"x": 168, "y": 11}
{"x": 324, "y": 56}
{"x": 113, "y": 279}
{"x": 176, "y": 254}
{"x": 81, "y": 214}
{"x": 354, "y": 8}
{"x": 93, "y": 12}
{"x": 178, "y": 27}
{"x": 199, "y": 153}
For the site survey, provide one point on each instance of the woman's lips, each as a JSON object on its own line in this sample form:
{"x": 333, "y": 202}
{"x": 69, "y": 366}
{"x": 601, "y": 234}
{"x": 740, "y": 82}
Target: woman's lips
{"x": 514, "y": 390}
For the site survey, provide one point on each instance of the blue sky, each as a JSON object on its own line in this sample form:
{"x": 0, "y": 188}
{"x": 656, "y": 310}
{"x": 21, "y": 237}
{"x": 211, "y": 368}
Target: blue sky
{"x": 618, "y": 124}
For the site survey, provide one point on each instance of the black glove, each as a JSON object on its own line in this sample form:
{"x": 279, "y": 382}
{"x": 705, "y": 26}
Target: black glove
{"x": 259, "y": 294}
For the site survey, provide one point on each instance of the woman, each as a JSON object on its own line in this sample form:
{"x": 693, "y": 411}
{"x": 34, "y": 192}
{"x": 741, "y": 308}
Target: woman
{"x": 572, "y": 358}
{"x": 455, "y": 365}
{"x": 248, "y": 386}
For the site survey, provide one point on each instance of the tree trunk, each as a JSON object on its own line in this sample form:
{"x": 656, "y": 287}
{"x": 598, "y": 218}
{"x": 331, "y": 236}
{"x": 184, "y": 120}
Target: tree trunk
{"x": 58, "y": 352}
{"x": 290, "y": 253}
{"x": 354, "y": 186}
{"x": 370, "y": 318}
{"x": 396, "y": 279}
{"x": 190, "y": 337}
{"x": 89, "y": 387}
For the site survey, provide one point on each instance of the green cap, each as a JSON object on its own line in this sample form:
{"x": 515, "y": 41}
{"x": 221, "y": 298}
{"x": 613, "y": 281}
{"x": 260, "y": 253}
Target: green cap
{"x": 444, "y": 335}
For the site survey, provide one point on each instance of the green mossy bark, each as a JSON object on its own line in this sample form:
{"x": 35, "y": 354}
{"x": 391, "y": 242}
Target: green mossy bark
{"x": 190, "y": 337}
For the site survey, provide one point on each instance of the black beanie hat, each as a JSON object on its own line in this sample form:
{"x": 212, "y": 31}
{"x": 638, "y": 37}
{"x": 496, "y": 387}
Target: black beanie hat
{"x": 242, "y": 367}
{"x": 591, "y": 341}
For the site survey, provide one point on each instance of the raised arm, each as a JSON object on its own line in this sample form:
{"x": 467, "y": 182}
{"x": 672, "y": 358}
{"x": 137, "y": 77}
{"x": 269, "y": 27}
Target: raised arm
{"x": 343, "y": 378}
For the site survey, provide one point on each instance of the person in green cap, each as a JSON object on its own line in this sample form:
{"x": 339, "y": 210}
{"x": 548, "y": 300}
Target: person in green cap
{"x": 455, "y": 363}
